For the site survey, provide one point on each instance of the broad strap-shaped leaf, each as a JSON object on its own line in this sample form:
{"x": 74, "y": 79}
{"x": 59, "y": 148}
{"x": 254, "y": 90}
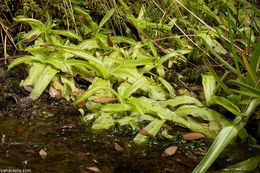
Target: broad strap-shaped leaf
{"x": 117, "y": 107}
{"x": 78, "y": 63}
{"x": 29, "y": 36}
{"x": 168, "y": 86}
{"x": 35, "y": 70}
{"x": 31, "y": 21}
{"x": 209, "y": 86}
{"x": 134, "y": 87}
{"x": 104, "y": 121}
{"x": 225, "y": 136}
{"x": 226, "y": 104}
{"x": 43, "y": 82}
{"x": 122, "y": 39}
{"x": 66, "y": 33}
{"x": 179, "y": 100}
{"x": 152, "y": 128}
{"x": 22, "y": 60}
{"x": 242, "y": 167}
{"x": 87, "y": 56}
{"x": 89, "y": 44}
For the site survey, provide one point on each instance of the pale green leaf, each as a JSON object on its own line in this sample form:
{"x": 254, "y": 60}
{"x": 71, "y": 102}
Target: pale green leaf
{"x": 42, "y": 82}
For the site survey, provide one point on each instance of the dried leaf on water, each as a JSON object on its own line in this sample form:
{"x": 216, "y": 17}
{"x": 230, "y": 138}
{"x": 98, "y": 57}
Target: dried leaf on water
{"x": 193, "y": 135}
{"x": 170, "y": 151}
{"x": 144, "y": 132}
{"x": 43, "y": 154}
{"x": 117, "y": 147}
{"x": 95, "y": 169}
{"x": 21, "y": 129}
{"x": 105, "y": 99}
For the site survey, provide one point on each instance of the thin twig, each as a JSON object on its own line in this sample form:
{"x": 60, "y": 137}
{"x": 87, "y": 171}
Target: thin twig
{"x": 5, "y": 53}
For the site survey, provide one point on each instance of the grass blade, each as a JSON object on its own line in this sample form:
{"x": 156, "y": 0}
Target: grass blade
{"x": 225, "y": 136}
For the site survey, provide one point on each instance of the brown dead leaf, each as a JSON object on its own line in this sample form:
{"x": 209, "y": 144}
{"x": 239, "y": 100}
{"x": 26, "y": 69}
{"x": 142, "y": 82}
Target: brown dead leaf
{"x": 82, "y": 18}
{"x": 78, "y": 93}
{"x": 105, "y": 99}
{"x": 43, "y": 154}
{"x": 21, "y": 129}
{"x": 189, "y": 46}
{"x": 144, "y": 132}
{"x": 109, "y": 41}
{"x": 54, "y": 93}
{"x": 117, "y": 147}
{"x": 170, "y": 151}
{"x": 27, "y": 88}
{"x": 31, "y": 38}
{"x": 95, "y": 169}
{"x": 193, "y": 135}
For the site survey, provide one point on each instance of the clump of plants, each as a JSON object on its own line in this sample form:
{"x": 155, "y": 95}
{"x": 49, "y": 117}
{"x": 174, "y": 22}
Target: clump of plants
{"x": 127, "y": 73}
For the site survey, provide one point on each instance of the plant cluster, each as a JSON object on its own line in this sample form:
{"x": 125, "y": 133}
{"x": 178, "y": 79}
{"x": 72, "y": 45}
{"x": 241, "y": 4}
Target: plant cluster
{"x": 127, "y": 54}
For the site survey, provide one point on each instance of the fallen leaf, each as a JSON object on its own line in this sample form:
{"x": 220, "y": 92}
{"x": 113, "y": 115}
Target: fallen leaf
{"x": 78, "y": 93}
{"x": 27, "y": 88}
{"x": 105, "y": 99}
{"x": 109, "y": 41}
{"x": 170, "y": 151}
{"x": 117, "y": 147}
{"x": 82, "y": 18}
{"x": 193, "y": 135}
{"x": 31, "y": 38}
{"x": 189, "y": 46}
{"x": 59, "y": 128}
{"x": 164, "y": 133}
{"x": 43, "y": 154}
{"x": 21, "y": 129}
{"x": 144, "y": 132}
{"x": 54, "y": 93}
{"x": 95, "y": 169}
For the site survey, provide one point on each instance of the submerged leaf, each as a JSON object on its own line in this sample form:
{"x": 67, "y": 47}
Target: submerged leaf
{"x": 144, "y": 132}
{"x": 43, "y": 154}
{"x": 193, "y": 135}
{"x": 117, "y": 147}
{"x": 170, "y": 151}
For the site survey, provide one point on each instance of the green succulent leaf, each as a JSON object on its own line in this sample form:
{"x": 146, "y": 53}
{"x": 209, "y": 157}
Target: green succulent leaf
{"x": 66, "y": 33}
{"x": 43, "y": 81}
{"x": 32, "y": 22}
